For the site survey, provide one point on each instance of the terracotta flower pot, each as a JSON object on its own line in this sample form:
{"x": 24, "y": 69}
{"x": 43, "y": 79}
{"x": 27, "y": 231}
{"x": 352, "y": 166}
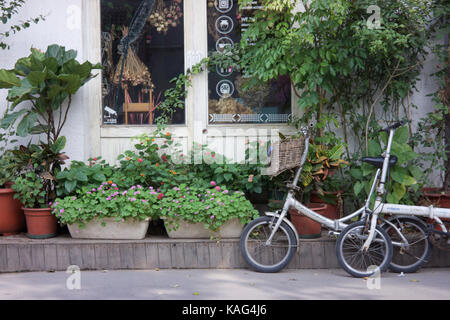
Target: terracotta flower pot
{"x": 332, "y": 210}
{"x": 12, "y": 220}
{"x": 306, "y": 227}
{"x": 41, "y": 223}
{"x": 437, "y": 196}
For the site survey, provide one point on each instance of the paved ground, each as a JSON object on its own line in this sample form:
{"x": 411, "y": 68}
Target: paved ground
{"x": 216, "y": 284}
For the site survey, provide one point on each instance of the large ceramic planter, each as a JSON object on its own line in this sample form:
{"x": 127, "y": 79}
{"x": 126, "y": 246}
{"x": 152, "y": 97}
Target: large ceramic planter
{"x": 306, "y": 227}
{"x": 41, "y": 223}
{"x": 12, "y": 220}
{"x": 186, "y": 230}
{"x": 113, "y": 230}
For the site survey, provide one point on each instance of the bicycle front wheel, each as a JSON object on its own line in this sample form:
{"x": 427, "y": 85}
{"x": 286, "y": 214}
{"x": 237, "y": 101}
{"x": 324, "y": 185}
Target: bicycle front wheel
{"x": 356, "y": 261}
{"x": 263, "y": 257}
{"x": 412, "y": 257}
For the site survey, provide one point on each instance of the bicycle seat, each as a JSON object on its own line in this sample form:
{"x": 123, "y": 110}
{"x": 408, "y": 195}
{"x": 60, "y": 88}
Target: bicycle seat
{"x": 378, "y": 161}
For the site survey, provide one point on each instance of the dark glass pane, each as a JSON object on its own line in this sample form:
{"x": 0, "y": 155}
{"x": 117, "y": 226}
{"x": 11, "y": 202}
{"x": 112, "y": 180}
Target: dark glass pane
{"x": 228, "y": 102}
{"x": 156, "y": 57}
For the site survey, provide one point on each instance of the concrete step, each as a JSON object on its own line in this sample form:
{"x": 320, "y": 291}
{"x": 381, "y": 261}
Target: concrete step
{"x": 20, "y": 254}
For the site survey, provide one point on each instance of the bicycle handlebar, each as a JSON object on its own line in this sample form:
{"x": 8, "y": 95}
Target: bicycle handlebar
{"x": 394, "y": 126}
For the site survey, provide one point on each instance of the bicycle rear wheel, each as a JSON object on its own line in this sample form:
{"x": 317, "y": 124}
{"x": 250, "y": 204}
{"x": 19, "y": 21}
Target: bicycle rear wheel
{"x": 354, "y": 260}
{"x": 267, "y": 258}
{"x": 417, "y": 253}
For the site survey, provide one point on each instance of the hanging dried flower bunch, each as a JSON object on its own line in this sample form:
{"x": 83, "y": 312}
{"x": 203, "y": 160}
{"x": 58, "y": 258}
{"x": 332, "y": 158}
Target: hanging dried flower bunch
{"x": 166, "y": 16}
{"x": 135, "y": 72}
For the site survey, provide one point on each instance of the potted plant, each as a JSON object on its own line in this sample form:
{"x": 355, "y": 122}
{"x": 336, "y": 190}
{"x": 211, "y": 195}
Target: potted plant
{"x": 322, "y": 163}
{"x": 47, "y": 81}
{"x": 108, "y": 212}
{"x": 204, "y": 213}
{"x": 12, "y": 219}
{"x": 30, "y": 188}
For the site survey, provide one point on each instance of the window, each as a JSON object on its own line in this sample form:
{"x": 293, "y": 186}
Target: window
{"x": 133, "y": 87}
{"x": 228, "y": 102}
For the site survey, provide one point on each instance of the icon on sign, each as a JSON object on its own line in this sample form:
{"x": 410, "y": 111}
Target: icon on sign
{"x": 224, "y": 6}
{"x": 224, "y": 72}
{"x": 224, "y": 24}
{"x": 225, "y": 88}
{"x": 223, "y": 43}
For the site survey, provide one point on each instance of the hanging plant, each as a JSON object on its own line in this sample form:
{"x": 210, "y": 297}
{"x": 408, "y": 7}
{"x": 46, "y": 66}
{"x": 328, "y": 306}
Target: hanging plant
{"x": 134, "y": 73}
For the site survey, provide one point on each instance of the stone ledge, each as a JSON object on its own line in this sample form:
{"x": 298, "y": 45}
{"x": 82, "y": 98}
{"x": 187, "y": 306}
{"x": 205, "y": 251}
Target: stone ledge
{"x": 20, "y": 254}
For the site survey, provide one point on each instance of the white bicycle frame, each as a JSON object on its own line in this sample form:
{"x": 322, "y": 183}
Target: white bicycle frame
{"x": 379, "y": 207}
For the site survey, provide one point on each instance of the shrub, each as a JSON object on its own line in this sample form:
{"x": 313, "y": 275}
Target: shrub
{"x": 107, "y": 200}
{"x": 212, "y": 207}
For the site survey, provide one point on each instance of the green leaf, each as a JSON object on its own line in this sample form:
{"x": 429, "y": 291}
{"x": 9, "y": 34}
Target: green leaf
{"x": 81, "y": 176}
{"x": 358, "y": 187}
{"x": 416, "y": 172}
{"x": 336, "y": 152}
{"x": 54, "y": 91}
{"x": 26, "y": 124}
{"x": 398, "y": 191}
{"x": 55, "y": 51}
{"x": 36, "y": 78}
{"x": 59, "y": 144}
{"x": 19, "y": 91}
{"x": 51, "y": 64}
{"x": 374, "y": 148}
{"x": 70, "y": 185}
{"x": 401, "y": 135}
{"x": 69, "y": 55}
{"x": 39, "y": 129}
{"x": 72, "y": 82}
{"x": 8, "y": 79}
{"x": 401, "y": 176}
{"x": 11, "y": 118}
{"x": 99, "y": 177}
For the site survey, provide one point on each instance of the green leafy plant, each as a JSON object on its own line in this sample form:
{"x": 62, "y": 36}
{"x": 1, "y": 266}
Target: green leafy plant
{"x": 30, "y": 190}
{"x": 47, "y": 80}
{"x": 211, "y": 207}
{"x": 404, "y": 176}
{"x": 149, "y": 163}
{"x": 107, "y": 200}
{"x": 9, "y": 168}
{"x": 215, "y": 167}
{"x": 322, "y": 161}
{"x": 81, "y": 175}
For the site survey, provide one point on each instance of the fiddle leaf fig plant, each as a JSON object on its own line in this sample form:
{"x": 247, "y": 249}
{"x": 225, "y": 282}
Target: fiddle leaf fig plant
{"x": 47, "y": 80}
{"x": 40, "y": 90}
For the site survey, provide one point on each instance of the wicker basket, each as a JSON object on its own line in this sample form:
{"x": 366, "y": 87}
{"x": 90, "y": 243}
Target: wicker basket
{"x": 286, "y": 155}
